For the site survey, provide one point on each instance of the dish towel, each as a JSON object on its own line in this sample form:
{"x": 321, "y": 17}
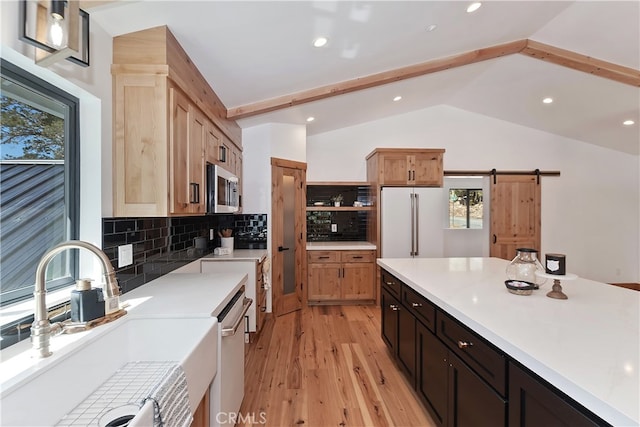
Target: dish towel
{"x": 170, "y": 399}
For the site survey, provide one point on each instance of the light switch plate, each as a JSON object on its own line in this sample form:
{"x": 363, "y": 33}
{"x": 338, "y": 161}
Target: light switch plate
{"x": 334, "y": 228}
{"x": 125, "y": 255}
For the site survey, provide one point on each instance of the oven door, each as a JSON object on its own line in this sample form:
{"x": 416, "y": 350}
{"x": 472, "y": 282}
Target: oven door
{"x": 228, "y": 386}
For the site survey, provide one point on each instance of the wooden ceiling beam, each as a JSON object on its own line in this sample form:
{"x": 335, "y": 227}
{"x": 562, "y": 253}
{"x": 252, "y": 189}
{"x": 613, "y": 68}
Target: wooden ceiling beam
{"x": 579, "y": 62}
{"x": 373, "y": 80}
{"x": 527, "y": 47}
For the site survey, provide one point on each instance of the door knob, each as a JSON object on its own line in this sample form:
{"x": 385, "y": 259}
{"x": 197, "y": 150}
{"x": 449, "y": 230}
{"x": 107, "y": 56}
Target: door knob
{"x": 281, "y": 248}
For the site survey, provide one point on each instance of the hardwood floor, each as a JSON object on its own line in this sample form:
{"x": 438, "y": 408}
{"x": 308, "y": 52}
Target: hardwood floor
{"x": 326, "y": 366}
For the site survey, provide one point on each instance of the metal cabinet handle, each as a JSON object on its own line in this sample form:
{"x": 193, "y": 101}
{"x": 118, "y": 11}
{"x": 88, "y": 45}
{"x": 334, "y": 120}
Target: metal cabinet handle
{"x": 195, "y": 192}
{"x": 388, "y": 283}
{"x": 226, "y": 332}
{"x": 464, "y": 344}
{"x": 394, "y": 307}
{"x": 357, "y": 257}
{"x": 324, "y": 257}
{"x": 416, "y": 304}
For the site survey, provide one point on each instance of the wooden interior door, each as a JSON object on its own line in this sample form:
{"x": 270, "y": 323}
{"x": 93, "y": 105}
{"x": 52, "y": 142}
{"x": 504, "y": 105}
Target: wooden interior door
{"x": 515, "y": 214}
{"x": 288, "y": 248}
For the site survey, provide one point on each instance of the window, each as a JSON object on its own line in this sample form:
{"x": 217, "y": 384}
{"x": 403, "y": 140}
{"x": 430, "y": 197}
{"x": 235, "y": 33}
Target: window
{"x": 39, "y": 182}
{"x": 465, "y": 208}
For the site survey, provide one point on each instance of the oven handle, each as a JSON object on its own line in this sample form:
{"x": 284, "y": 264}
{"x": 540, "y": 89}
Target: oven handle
{"x": 226, "y": 332}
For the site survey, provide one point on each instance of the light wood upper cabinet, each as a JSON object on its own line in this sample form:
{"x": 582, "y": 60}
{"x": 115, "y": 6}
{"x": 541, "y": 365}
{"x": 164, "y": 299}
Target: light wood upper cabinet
{"x": 213, "y": 140}
{"x": 401, "y": 167}
{"x": 179, "y": 176}
{"x": 140, "y": 155}
{"x": 168, "y": 123}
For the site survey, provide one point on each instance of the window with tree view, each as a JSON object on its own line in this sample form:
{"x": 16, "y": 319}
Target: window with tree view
{"x": 38, "y": 182}
{"x": 465, "y": 208}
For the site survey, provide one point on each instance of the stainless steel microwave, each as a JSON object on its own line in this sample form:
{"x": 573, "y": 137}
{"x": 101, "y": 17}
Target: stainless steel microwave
{"x": 222, "y": 190}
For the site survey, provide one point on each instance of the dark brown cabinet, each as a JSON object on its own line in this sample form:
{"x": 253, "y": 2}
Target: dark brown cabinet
{"x": 489, "y": 362}
{"x": 389, "y": 309}
{"x": 452, "y": 392}
{"x": 459, "y": 376}
{"x": 399, "y": 332}
{"x": 432, "y": 373}
{"x": 532, "y": 403}
{"x": 407, "y": 343}
{"x": 471, "y": 401}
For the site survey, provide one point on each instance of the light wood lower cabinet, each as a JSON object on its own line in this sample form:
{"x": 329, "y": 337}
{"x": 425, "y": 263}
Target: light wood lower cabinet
{"x": 337, "y": 277}
{"x": 261, "y": 297}
{"x": 202, "y": 415}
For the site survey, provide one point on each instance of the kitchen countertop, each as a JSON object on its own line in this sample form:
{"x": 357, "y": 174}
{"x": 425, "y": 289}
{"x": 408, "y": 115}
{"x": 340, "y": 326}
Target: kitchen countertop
{"x": 587, "y": 346}
{"x": 192, "y": 294}
{"x": 238, "y": 255}
{"x": 340, "y": 246}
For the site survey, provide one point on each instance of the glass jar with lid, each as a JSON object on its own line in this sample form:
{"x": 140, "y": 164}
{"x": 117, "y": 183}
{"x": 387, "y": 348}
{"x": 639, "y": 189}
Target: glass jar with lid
{"x": 524, "y": 266}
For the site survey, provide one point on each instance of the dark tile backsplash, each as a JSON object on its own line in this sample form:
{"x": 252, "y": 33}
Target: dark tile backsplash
{"x": 161, "y": 245}
{"x": 351, "y": 226}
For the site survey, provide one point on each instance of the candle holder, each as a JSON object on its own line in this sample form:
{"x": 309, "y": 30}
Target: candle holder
{"x": 556, "y": 290}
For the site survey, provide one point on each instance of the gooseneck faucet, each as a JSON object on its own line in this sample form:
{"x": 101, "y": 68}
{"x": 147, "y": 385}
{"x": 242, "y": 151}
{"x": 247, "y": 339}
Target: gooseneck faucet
{"x": 41, "y": 328}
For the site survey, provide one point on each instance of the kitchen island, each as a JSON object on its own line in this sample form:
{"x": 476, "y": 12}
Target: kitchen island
{"x": 587, "y": 346}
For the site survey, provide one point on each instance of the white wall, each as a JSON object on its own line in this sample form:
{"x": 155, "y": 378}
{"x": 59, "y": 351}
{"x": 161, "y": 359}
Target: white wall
{"x": 260, "y": 144}
{"x": 591, "y": 212}
{"x": 92, "y": 86}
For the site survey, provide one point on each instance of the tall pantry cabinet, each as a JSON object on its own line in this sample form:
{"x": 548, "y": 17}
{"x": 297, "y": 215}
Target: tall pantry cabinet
{"x": 168, "y": 124}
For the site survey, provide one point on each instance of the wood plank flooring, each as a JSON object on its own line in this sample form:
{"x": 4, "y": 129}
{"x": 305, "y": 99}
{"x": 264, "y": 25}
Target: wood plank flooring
{"x": 326, "y": 366}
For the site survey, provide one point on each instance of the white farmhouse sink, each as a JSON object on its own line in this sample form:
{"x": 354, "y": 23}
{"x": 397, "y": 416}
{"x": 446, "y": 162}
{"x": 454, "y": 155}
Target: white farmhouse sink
{"x": 52, "y": 387}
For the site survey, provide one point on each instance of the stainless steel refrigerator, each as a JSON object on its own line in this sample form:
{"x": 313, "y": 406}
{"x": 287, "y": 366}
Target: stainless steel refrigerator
{"x": 412, "y": 222}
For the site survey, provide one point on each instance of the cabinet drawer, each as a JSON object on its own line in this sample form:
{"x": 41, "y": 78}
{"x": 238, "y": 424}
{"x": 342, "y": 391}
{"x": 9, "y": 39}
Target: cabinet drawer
{"x": 483, "y": 358}
{"x": 390, "y": 283}
{"x": 420, "y": 307}
{"x": 323, "y": 256}
{"x": 358, "y": 256}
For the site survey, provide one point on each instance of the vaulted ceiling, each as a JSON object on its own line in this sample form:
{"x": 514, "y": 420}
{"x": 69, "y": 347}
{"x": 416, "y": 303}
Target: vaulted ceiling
{"x": 258, "y": 57}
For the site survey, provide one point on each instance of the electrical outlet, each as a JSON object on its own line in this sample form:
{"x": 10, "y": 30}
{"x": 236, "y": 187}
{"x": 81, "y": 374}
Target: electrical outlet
{"x": 334, "y": 228}
{"x": 212, "y": 234}
{"x": 125, "y": 255}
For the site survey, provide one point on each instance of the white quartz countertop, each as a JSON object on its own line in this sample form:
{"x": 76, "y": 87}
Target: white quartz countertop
{"x": 340, "y": 246}
{"x": 184, "y": 294}
{"x": 238, "y": 255}
{"x": 587, "y": 346}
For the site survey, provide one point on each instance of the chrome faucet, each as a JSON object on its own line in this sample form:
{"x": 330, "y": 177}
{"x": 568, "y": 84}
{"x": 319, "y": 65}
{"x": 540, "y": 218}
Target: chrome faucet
{"x": 41, "y": 328}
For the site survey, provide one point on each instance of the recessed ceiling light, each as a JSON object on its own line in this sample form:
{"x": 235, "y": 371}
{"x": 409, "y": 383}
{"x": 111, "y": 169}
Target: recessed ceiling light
{"x": 397, "y": 98}
{"x": 431, "y": 27}
{"x": 628, "y": 122}
{"x": 547, "y": 100}
{"x": 320, "y": 41}
{"x": 310, "y": 119}
{"x": 473, "y": 7}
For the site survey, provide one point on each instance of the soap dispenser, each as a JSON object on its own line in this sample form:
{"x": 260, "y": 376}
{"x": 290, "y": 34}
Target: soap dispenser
{"x": 87, "y": 303}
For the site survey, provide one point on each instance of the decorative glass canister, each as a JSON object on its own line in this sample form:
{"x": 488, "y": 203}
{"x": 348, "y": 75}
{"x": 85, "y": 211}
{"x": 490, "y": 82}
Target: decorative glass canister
{"x": 523, "y": 267}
